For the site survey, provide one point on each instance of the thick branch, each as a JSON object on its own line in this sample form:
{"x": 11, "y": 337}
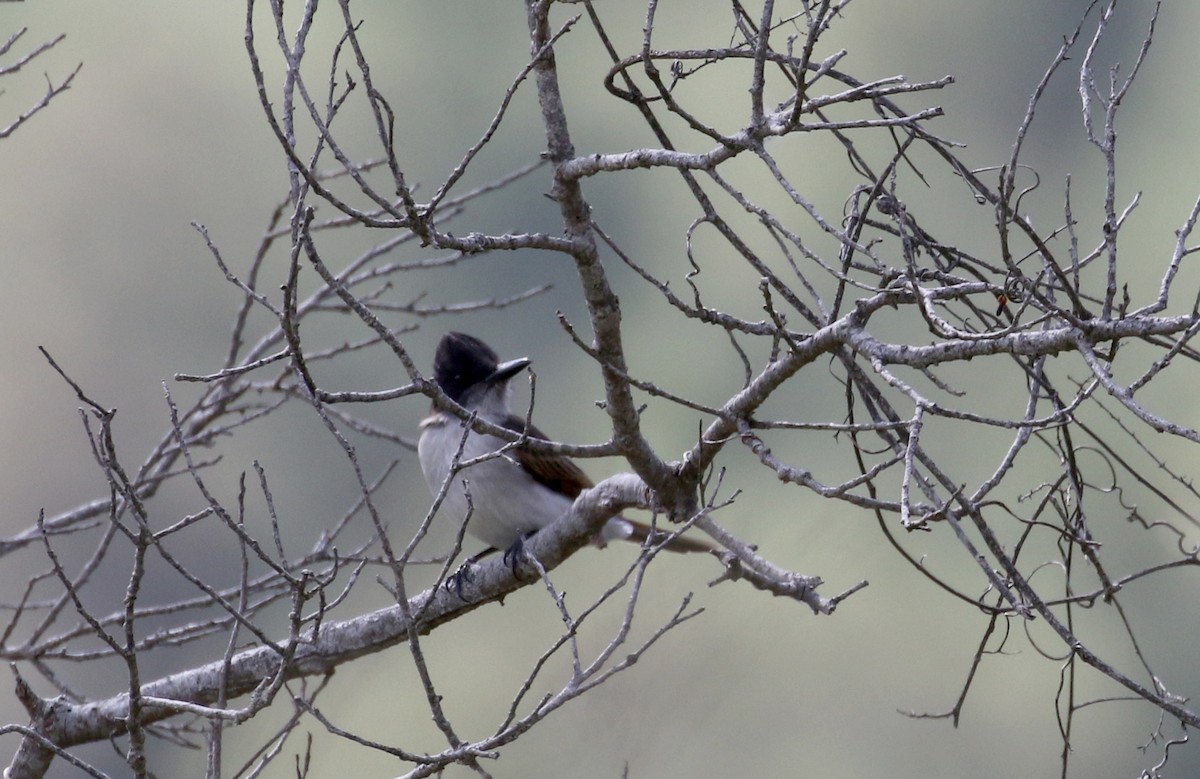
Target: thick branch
{"x": 66, "y": 724}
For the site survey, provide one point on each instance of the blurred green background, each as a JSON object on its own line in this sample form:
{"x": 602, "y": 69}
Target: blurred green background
{"x": 162, "y": 127}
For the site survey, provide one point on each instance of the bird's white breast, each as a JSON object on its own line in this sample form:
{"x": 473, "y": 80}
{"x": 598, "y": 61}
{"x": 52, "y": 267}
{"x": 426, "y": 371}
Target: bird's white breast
{"x": 505, "y": 502}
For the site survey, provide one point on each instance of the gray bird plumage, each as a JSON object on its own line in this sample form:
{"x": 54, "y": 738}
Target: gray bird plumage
{"x": 515, "y": 493}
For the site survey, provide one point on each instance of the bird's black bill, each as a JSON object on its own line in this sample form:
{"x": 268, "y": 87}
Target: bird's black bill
{"x": 506, "y": 370}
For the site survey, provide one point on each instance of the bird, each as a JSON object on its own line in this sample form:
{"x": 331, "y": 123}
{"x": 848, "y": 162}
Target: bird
{"x": 521, "y": 490}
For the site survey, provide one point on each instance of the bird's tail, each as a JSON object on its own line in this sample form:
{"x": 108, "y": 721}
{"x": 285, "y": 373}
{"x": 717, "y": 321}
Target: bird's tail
{"x": 640, "y": 533}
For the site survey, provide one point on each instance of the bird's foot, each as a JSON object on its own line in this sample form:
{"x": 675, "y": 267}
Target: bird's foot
{"x": 466, "y": 572}
{"x": 463, "y": 576}
{"x": 516, "y": 554}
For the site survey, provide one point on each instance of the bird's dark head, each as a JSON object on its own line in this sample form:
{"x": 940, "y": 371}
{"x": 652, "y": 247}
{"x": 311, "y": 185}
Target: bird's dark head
{"x": 463, "y": 362}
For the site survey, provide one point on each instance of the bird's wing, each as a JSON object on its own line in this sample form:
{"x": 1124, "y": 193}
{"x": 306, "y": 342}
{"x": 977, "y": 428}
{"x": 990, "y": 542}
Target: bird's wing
{"x": 556, "y": 471}
{"x": 561, "y": 474}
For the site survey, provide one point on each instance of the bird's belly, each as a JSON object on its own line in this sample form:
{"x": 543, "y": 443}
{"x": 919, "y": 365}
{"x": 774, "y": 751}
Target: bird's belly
{"x": 504, "y": 503}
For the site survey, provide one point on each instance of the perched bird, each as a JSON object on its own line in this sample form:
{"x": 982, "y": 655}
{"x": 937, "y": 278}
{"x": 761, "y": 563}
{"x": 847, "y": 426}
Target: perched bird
{"x": 521, "y": 491}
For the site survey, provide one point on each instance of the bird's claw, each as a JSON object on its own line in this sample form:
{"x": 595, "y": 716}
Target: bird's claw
{"x": 461, "y": 577}
{"x": 516, "y": 554}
